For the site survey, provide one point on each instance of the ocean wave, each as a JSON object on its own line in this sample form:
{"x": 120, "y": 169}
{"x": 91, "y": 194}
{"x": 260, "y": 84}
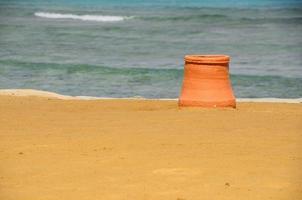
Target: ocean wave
{"x": 75, "y": 68}
{"x": 186, "y": 17}
{"x": 224, "y": 18}
{"x": 98, "y": 80}
{"x": 97, "y": 18}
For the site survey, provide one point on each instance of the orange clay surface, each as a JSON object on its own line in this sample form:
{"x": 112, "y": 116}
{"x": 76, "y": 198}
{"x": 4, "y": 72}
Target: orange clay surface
{"x": 148, "y": 150}
{"x": 206, "y": 82}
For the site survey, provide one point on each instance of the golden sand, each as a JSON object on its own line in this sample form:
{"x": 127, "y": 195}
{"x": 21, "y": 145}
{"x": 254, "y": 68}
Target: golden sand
{"x": 53, "y": 149}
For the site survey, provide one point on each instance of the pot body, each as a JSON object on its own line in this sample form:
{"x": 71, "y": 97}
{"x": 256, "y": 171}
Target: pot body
{"x": 206, "y": 82}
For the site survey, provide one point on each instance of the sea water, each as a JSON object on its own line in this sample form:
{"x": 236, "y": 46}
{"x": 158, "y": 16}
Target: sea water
{"x": 127, "y": 48}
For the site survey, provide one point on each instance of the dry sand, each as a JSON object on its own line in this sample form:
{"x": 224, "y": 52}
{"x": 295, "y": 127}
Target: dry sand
{"x": 148, "y": 150}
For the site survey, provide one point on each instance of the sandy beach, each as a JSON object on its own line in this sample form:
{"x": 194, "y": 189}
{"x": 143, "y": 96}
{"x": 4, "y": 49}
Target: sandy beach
{"x": 54, "y": 149}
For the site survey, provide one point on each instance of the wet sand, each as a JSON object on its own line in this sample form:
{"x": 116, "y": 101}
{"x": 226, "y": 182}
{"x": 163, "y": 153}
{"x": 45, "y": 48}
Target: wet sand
{"x": 148, "y": 149}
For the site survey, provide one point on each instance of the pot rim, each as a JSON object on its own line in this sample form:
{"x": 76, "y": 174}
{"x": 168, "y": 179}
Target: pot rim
{"x": 208, "y": 58}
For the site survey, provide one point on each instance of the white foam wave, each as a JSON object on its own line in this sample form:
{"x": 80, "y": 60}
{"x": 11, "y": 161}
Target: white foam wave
{"x": 97, "y": 18}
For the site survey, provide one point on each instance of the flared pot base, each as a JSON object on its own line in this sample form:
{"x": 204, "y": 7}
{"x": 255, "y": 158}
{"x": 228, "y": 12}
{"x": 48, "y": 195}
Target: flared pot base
{"x": 189, "y": 103}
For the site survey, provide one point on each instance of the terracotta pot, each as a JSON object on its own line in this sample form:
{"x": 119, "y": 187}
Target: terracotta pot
{"x": 206, "y": 82}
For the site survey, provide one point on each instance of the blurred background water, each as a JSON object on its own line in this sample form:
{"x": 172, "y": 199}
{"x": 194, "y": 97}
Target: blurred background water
{"x": 126, "y": 48}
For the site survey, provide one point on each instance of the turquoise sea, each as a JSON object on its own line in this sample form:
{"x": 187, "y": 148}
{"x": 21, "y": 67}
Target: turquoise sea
{"x": 126, "y": 48}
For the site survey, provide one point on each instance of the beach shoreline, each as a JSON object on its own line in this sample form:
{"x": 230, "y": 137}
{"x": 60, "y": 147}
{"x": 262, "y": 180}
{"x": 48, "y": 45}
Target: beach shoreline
{"x": 147, "y": 149}
{"x": 46, "y": 94}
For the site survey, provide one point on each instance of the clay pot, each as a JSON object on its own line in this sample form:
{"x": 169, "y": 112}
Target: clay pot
{"x": 206, "y": 82}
